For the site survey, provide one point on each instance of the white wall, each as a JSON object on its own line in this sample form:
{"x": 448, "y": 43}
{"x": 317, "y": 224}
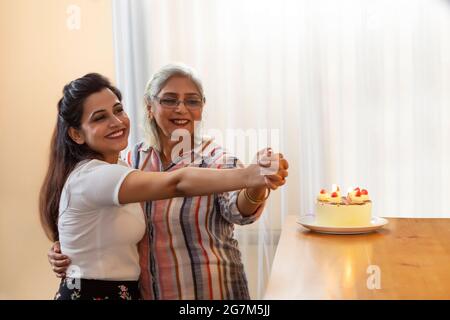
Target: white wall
{"x": 39, "y": 55}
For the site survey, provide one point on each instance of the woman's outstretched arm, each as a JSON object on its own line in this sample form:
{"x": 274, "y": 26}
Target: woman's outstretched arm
{"x": 143, "y": 186}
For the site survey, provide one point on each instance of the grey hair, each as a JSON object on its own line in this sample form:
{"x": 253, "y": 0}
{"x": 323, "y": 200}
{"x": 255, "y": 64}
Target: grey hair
{"x": 154, "y": 87}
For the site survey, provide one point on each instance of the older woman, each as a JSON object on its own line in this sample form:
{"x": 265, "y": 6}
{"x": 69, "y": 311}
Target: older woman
{"x": 189, "y": 251}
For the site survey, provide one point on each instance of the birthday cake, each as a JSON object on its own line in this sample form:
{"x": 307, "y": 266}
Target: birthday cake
{"x": 334, "y": 210}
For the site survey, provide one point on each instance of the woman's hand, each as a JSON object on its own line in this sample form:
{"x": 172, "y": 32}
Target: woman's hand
{"x": 270, "y": 171}
{"x": 58, "y": 261}
{"x": 274, "y": 168}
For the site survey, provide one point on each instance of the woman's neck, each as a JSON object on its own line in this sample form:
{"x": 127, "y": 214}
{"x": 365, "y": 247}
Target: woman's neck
{"x": 111, "y": 158}
{"x": 167, "y": 146}
{"x": 166, "y": 151}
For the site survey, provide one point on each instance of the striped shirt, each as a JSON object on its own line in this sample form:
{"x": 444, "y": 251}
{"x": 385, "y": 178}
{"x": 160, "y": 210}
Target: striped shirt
{"x": 189, "y": 251}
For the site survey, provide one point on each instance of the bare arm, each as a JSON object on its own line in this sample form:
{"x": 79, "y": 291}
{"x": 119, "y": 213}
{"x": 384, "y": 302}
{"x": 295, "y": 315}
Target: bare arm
{"x": 142, "y": 186}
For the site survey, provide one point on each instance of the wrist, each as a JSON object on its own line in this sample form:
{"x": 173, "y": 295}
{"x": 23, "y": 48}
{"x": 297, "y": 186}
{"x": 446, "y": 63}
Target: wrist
{"x": 251, "y": 176}
{"x": 257, "y": 193}
{"x": 261, "y": 195}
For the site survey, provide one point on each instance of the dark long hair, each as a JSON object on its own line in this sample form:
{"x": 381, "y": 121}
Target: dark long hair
{"x": 64, "y": 152}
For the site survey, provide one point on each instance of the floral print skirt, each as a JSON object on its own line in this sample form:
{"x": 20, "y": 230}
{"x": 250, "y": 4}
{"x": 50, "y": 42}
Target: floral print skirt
{"x": 86, "y": 289}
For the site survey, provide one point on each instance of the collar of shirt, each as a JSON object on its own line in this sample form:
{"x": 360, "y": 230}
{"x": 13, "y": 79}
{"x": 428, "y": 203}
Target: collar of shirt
{"x": 199, "y": 153}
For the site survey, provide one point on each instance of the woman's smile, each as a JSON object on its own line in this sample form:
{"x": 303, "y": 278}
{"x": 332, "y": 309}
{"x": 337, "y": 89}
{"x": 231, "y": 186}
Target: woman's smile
{"x": 116, "y": 134}
{"x": 180, "y": 122}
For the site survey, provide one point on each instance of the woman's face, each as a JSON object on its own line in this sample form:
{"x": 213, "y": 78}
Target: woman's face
{"x": 169, "y": 118}
{"x": 104, "y": 125}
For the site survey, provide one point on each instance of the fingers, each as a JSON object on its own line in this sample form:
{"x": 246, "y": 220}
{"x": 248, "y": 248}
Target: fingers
{"x": 264, "y": 157}
{"x": 264, "y": 162}
{"x": 276, "y": 178}
{"x": 278, "y": 157}
{"x": 57, "y": 247}
{"x": 275, "y": 181}
{"x": 274, "y": 167}
{"x": 284, "y": 163}
{"x": 269, "y": 160}
{"x": 59, "y": 270}
{"x": 265, "y": 151}
{"x": 56, "y": 257}
{"x": 60, "y": 267}
{"x": 283, "y": 174}
{"x": 60, "y": 263}
{"x": 279, "y": 177}
{"x": 270, "y": 184}
{"x": 55, "y": 253}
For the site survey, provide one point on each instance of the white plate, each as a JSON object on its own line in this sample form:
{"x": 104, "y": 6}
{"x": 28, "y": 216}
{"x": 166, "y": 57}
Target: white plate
{"x": 309, "y": 222}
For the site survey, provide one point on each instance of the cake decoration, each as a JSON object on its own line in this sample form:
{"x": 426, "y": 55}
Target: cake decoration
{"x": 353, "y": 210}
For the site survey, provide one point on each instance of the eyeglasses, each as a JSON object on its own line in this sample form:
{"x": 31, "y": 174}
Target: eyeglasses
{"x": 192, "y": 103}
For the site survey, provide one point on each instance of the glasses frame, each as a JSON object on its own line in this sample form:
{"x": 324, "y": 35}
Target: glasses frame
{"x": 178, "y": 102}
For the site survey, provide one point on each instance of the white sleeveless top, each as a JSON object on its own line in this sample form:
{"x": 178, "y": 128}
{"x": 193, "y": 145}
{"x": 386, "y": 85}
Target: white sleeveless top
{"x": 98, "y": 234}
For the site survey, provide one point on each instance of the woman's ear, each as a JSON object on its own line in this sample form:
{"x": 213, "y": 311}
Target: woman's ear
{"x": 76, "y": 135}
{"x": 149, "y": 110}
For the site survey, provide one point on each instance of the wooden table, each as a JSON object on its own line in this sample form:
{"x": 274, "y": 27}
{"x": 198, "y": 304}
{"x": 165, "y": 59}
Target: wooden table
{"x": 407, "y": 259}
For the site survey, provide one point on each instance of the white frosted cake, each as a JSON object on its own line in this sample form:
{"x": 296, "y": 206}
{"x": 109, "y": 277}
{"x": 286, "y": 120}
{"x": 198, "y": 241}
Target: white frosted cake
{"x": 336, "y": 211}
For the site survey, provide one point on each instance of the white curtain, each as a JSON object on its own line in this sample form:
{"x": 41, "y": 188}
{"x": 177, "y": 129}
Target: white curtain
{"x": 353, "y": 92}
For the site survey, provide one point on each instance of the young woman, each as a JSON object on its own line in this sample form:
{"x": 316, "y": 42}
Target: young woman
{"x": 88, "y": 200}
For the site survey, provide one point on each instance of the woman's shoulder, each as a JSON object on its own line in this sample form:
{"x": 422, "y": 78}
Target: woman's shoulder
{"x": 79, "y": 171}
{"x": 90, "y": 166}
{"x": 84, "y": 165}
